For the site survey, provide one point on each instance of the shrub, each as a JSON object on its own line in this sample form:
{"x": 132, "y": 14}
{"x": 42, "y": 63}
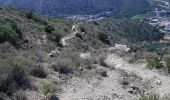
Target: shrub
{"x": 49, "y": 29}
{"x": 7, "y": 86}
{"x": 154, "y": 63}
{"x": 36, "y": 18}
{"x": 19, "y": 72}
{"x": 102, "y": 62}
{"x": 7, "y": 33}
{"x": 104, "y": 37}
{"x": 104, "y": 73}
{"x": 149, "y": 97}
{"x": 56, "y": 37}
{"x": 167, "y": 61}
{"x": 63, "y": 67}
{"x": 20, "y": 95}
{"x": 38, "y": 71}
{"x": 48, "y": 88}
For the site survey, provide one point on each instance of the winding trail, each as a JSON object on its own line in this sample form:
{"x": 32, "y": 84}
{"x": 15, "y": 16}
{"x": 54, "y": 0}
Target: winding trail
{"x": 73, "y": 33}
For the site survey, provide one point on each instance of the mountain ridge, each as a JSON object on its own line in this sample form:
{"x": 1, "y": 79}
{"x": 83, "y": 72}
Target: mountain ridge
{"x": 80, "y": 7}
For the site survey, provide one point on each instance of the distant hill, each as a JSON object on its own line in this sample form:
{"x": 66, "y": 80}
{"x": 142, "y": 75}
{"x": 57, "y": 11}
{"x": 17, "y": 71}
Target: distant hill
{"x": 80, "y": 7}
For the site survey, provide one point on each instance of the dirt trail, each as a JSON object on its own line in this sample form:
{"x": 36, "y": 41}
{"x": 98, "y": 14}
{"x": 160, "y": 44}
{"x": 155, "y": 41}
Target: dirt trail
{"x": 160, "y": 83}
{"x": 73, "y": 33}
{"x": 109, "y": 88}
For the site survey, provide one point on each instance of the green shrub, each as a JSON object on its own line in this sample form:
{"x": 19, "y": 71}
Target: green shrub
{"x": 48, "y": 88}
{"x": 55, "y": 37}
{"x": 7, "y": 33}
{"x": 149, "y": 97}
{"x": 14, "y": 74}
{"x": 49, "y": 29}
{"x": 20, "y": 75}
{"x": 36, "y": 18}
{"x": 7, "y": 86}
{"x": 167, "y": 61}
{"x": 154, "y": 63}
{"x": 104, "y": 37}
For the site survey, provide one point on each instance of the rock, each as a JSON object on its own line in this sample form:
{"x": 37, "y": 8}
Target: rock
{"x": 53, "y": 97}
{"x": 158, "y": 82}
{"x": 85, "y": 55}
{"x": 120, "y": 47}
{"x": 52, "y": 53}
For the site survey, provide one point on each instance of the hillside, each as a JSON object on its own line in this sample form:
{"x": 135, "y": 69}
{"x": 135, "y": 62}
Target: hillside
{"x": 42, "y": 58}
{"x": 80, "y": 7}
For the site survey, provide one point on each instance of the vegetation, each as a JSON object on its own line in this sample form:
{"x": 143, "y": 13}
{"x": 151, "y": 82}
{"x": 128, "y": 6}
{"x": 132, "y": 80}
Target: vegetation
{"x": 104, "y": 73}
{"x": 38, "y": 71}
{"x": 49, "y": 29}
{"x": 149, "y": 97}
{"x": 48, "y": 88}
{"x": 16, "y": 75}
{"x": 154, "y": 63}
{"x": 8, "y": 33}
{"x": 56, "y": 37}
{"x": 28, "y": 62}
{"x": 80, "y": 7}
{"x": 167, "y": 61}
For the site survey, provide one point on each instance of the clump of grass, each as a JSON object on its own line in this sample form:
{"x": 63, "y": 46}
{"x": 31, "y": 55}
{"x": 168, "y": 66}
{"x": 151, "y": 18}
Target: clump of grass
{"x": 154, "y": 63}
{"x": 20, "y": 95}
{"x": 38, "y": 71}
{"x": 149, "y": 97}
{"x": 20, "y": 74}
{"x": 48, "y": 88}
{"x": 63, "y": 67}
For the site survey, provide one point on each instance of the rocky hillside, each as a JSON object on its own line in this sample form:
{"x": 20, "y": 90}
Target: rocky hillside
{"x": 51, "y": 59}
{"x": 80, "y": 7}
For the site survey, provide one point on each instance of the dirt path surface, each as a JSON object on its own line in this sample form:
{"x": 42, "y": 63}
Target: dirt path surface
{"x": 73, "y": 33}
{"x": 123, "y": 83}
{"x": 160, "y": 83}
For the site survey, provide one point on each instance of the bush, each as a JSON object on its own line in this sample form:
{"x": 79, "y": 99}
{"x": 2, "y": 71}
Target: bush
{"x": 56, "y": 37}
{"x": 49, "y": 29}
{"x": 102, "y": 62}
{"x": 104, "y": 73}
{"x": 20, "y": 95}
{"x": 149, "y": 97}
{"x": 167, "y": 61}
{"x": 14, "y": 74}
{"x": 20, "y": 75}
{"x": 36, "y": 18}
{"x": 7, "y": 33}
{"x": 38, "y": 71}
{"x": 104, "y": 37}
{"x": 67, "y": 62}
{"x": 63, "y": 67}
{"x": 154, "y": 63}
{"x": 7, "y": 86}
{"x": 48, "y": 88}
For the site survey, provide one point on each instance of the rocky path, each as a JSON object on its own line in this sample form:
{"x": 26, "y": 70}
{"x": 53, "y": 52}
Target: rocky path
{"x": 123, "y": 83}
{"x": 73, "y": 33}
{"x": 160, "y": 83}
